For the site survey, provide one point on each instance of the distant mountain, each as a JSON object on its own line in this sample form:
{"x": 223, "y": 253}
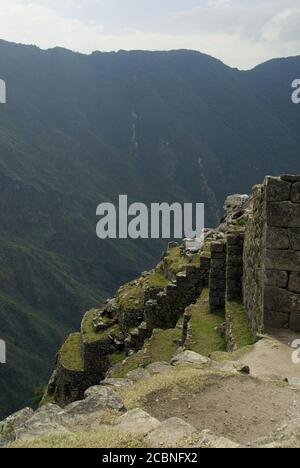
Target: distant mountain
{"x": 78, "y": 130}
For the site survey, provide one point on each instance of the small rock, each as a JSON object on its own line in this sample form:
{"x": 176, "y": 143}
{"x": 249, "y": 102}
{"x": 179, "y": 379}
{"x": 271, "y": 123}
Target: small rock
{"x": 137, "y": 421}
{"x": 244, "y": 370}
{"x": 117, "y": 382}
{"x": 170, "y": 433}
{"x": 159, "y": 368}
{"x": 189, "y": 357}
{"x": 138, "y": 374}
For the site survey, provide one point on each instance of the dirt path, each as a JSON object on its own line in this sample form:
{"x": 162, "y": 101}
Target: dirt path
{"x": 271, "y": 358}
{"x": 241, "y": 408}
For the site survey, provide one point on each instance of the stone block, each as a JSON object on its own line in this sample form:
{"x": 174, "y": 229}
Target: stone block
{"x": 278, "y": 238}
{"x": 295, "y": 321}
{"x": 283, "y": 214}
{"x": 276, "y": 278}
{"x": 278, "y": 299}
{"x": 218, "y": 264}
{"x": 276, "y": 319}
{"x": 294, "y": 282}
{"x": 290, "y": 178}
{"x": 294, "y": 236}
{"x": 295, "y": 192}
{"x": 282, "y": 260}
{"x": 234, "y": 249}
{"x": 217, "y": 247}
{"x": 277, "y": 189}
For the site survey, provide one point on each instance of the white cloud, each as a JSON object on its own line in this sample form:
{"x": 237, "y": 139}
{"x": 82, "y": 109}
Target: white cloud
{"x": 239, "y": 32}
{"x": 34, "y": 24}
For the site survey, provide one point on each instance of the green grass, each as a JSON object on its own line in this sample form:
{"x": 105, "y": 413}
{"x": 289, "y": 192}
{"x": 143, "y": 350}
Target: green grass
{"x": 241, "y": 331}
{"x": 131, "y": 296}
{"x": 174, "y": 261}
{"x": 116, "y": 358}
{"x": 175, "y": 383}
{"x": 160, "y": 347}
{"x": 89, "y": 335}
{"x": 203, "y": 336}
{"x": 240, "y": 222}
{"x": 103, "y": 438}
{"x": 70, "y": 353}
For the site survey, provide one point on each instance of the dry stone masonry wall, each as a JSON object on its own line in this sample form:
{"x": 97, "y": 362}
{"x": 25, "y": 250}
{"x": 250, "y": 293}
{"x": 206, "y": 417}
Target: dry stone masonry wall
{"x": 217, "y": 277}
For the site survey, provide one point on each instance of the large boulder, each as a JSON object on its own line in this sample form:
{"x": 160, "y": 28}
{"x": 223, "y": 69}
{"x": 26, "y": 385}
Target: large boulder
{"x": 189, "y": 357}
{"x": 137, "y": 421}
{"x": 97, "y": 398}
{"x": 47, "y": 420}
{"x": 170, "y": 433}
{"x": 9, "y": 425}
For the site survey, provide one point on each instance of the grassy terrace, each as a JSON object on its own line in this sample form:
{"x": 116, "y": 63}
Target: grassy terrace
{"x": 131, "y": 296}
{"x": 87, "y": 329}
{"x": 70, "y": 353}
{"x": 204, "y": 337}
{"x": 241, "y": 331}
{"x": 161, "y": 347}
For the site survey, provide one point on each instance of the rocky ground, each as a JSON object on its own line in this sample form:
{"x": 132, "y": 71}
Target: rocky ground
{"x": 193, "y": 401}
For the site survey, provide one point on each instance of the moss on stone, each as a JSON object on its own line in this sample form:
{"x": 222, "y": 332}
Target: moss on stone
{"x": 174, "y": 261}
{"x": 203, "y": 334}
{"x": 160, "y": 347}
{"x": 116, "y": 358}
{"x": 70, "y": 353}
{"x": 240, "y": 328}
{"x": 131, "y": 296}
{"x": 88, "y": 333}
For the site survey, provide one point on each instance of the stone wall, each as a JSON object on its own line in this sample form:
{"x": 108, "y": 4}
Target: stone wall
{"x": 253, "y": 260}
{"x": 165, "y": 310}
{"x": 272, "y": 255}
{"x": 282, "y": 254}
{"x": 217, "y": 276}
{"x": 234, "y": 266}
{"x": 70, "y": 385}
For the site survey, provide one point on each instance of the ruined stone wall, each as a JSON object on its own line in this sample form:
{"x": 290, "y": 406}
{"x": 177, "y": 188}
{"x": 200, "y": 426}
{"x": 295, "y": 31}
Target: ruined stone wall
{"x": 70, "y": 385}
{"x": 253, "y": 277}
{"x": 165, "y": 310}
{"x": 234, "y": 266}
{"x": 217, "y": 276}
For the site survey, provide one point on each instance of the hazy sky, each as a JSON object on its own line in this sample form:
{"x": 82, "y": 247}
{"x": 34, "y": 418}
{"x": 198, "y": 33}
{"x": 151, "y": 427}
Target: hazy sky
{"x": 242, "y": 33}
